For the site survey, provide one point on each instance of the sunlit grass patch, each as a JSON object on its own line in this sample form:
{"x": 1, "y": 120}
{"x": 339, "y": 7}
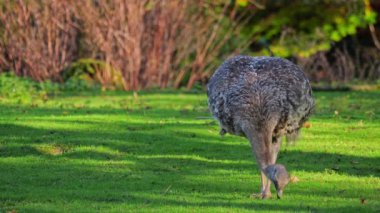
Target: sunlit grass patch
{"x": 161, "y": 152}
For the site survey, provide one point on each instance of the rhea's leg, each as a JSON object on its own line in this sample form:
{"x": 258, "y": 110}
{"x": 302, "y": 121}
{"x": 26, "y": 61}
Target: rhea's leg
{"x": 265, "y": 186}
{"x": 261, "y": 148}
{"x": 261, "y": 142}
{"x": 275, "y": 148}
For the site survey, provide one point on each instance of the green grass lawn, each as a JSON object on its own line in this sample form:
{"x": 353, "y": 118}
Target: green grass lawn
{"x": 157, "y": 152}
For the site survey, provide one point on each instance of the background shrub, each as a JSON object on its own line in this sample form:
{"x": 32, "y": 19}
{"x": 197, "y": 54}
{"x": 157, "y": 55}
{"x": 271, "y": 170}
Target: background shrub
{"x": 138, "y": 44}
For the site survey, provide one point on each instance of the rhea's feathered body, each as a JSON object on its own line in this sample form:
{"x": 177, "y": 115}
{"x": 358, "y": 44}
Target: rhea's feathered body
{"x": 263, "y": 99}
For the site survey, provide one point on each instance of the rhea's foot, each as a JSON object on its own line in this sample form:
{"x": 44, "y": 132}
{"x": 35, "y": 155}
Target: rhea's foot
{"x": 261, "y": 195}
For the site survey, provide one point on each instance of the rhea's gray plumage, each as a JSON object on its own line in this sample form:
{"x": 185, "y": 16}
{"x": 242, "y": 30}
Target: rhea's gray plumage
{"x": 261, "y": 98}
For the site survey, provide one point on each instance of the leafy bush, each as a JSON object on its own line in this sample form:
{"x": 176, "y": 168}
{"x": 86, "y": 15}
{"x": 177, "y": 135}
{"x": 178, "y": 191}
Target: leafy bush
{"x": 88, "y": 73}
{"x": 24, "y": 90}
{"x": 21, "y": 90}
{"x": 79, "y": 85}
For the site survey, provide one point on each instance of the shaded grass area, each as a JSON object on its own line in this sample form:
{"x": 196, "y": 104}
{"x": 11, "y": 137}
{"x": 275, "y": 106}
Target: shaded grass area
{"x": 117, "y": 152}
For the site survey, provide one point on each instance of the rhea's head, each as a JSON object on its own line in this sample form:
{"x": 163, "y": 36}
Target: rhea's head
{"x": 279, "y": 176}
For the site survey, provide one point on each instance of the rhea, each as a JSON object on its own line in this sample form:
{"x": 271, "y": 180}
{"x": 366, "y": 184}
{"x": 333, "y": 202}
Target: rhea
{"x": 262, "y": 99}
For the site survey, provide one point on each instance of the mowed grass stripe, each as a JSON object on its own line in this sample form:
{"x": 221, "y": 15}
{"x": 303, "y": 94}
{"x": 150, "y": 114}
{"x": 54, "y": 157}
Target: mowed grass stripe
{"x": 159, "y": 152}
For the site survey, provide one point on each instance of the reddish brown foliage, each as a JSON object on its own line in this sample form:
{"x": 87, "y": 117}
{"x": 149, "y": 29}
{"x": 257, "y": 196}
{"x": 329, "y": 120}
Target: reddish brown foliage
{"x": 39, "y": 40}
{"x": 148, "y": 42}
{"x": 154, "y": 42}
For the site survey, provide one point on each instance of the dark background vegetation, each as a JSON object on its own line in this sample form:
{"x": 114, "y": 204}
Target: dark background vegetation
{"x": 138, "y": 44}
